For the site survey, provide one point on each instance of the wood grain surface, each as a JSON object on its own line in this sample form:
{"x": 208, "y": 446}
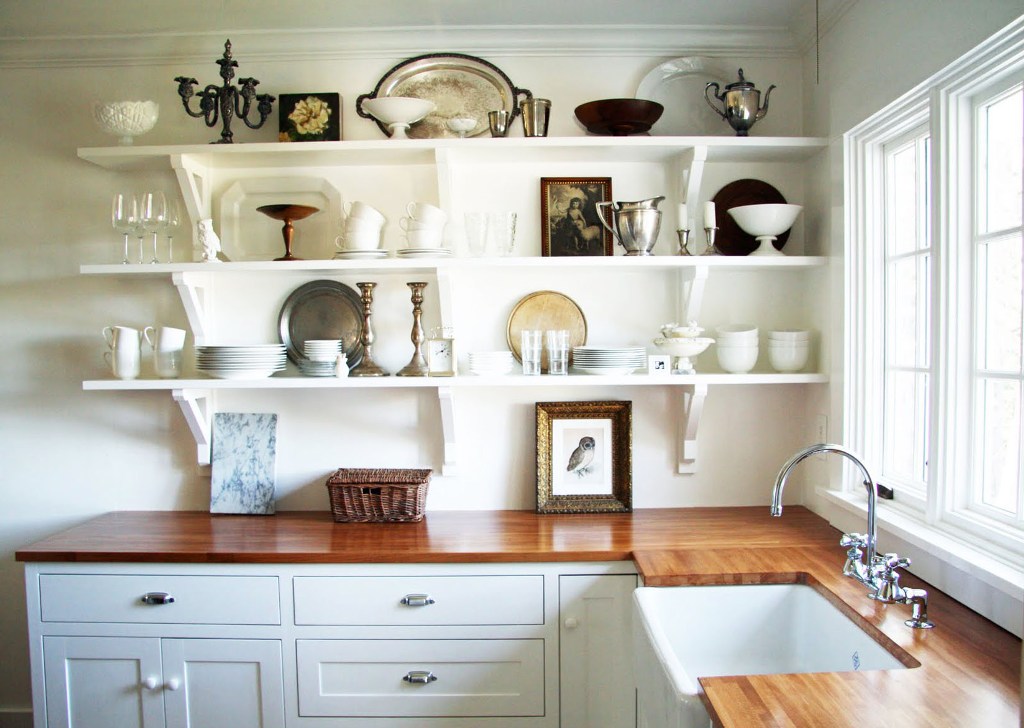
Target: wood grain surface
{"x": 967, "y": 669}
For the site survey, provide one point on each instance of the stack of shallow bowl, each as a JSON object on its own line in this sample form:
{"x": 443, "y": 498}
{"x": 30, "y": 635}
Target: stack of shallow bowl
{"x": 608, "y": 360}
{"x": 788, "y": 349}
{"x": 483, "y": 363}
{"x": 737, "y": 348}
{"x": 254, "y": 361}
{"x": 321, "y": 357}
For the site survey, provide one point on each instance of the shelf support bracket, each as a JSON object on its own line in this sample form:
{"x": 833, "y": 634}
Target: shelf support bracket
{"x": 197, "y": 407}
{"x": 691, "y": 292}
{"x": 691, "y": 176}
{"x": 446, "y": 399}
{"x": 193, "y": 179}
{"x": 693, "y": 408}
{"x": 192, "y": 288}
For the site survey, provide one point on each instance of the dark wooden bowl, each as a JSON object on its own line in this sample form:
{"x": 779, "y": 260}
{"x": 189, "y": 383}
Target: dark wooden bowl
{"x": 619, "y": 117}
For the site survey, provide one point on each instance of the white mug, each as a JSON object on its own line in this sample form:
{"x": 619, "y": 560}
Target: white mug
{"x": 360, "y": 226}
{"x": 363, "y": 240}
{"x": 118, "y": 336}
{"x": 425, "y": 212}
{"x": 123, "y": 361}
{"x": 424, "y": 238}
{"x": 408, "y": 224}
{"x": 362, "y": 211}
{"x": 166, "y": 338}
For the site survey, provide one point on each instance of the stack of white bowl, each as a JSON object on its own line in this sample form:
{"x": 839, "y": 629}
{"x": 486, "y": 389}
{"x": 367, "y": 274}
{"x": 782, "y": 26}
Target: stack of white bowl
{"x": 788, "y": 349}
{"x": 361, "y": 232}
{"x": 321, "y": 357}
{"x": 736, "y": 346}
{"x": 485, "y": 363}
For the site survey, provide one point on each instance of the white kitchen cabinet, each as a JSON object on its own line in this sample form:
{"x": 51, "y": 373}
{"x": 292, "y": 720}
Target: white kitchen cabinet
{"x": 98, "y": 682}
{"x": 596, "y": 664}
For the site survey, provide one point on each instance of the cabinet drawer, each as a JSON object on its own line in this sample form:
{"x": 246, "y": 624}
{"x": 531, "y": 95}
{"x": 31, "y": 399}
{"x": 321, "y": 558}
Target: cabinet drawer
{"x": 197, "y": 599}
{"x": 366, "y": 678}
{"x": 450, "y": 600}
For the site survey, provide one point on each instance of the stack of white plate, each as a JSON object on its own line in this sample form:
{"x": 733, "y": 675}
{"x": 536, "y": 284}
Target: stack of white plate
{"x": 424, "y": 252}
{"x": 490, "y": 362}
{"x": 608, "y": 360}
{"x": 322, "y": 350}
{"x": 255, "y": 361}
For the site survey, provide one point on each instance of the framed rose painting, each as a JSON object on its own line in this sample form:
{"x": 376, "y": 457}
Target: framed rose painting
{"x": 309, "y": 117}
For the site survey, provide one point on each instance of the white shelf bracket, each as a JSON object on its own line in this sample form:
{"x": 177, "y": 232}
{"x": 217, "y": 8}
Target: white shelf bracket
{"x": 197, "y": 407}
{"x": 446, "y": 399}
{"x": 193, "y": 179}
{"x": 691, "y": 176}
{"x": 691, "y": 292}
{"x": 693, "y": 407}
{"x": 192, "y": 288}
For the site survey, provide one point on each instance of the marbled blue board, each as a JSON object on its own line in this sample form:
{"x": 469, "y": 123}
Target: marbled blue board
{"x": 244, "y": 463}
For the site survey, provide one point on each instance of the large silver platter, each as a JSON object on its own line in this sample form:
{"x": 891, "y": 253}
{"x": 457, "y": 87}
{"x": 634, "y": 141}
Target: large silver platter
{"x": 322, "y": 310}
{"x": 459, "y": 85}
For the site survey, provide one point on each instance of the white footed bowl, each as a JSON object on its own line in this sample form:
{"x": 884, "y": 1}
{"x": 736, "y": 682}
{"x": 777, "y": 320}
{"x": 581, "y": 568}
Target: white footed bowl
{"x": 682, "y": 345}
{"x": 125, "y": 119}
{"x": 760, "y": 220}
{"x": 398, "y": 112}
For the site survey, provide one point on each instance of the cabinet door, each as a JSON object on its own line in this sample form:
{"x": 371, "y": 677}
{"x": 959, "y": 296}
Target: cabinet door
{"x": 99, "y": 682}
{"x": 596, "y": 663}
{"x": 208, "y": 682}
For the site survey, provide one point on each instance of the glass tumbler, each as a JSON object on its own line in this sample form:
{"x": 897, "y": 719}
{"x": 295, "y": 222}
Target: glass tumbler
{"x": 558, "y": 351}
{"x": 531, "y": 351}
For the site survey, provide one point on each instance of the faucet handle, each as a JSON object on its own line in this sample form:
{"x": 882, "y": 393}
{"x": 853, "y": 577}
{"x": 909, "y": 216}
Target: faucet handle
{"x": 853, "y": 540}
{"x": 892, "y": 562}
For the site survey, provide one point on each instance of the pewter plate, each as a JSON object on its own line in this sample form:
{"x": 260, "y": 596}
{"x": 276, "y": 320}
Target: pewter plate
{"x": 322, "y": 310}
{"x": 458, "y": 85}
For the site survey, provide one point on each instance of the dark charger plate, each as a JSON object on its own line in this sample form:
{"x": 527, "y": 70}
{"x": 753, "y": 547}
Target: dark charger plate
{"x": 731, "y": 239}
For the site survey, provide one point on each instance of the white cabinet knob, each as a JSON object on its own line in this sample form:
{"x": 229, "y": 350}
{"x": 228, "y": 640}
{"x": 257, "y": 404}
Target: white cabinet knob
{"x": 173, "y": 684}
{"x": 151, "y": 683}
{"x": 571, "y": 623}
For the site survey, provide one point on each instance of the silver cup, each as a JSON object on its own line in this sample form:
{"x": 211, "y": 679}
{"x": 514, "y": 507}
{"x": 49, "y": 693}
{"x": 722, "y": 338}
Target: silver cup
{"x": 498, "y": 121}
{"x": 535, "y": 116}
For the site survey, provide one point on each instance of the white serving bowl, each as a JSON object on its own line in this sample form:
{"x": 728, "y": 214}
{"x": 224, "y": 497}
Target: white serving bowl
{"x": 765, "y": 222}
{"x": 398, "y": 112}
{"x": 787, "y": 358}
{"x": 737, "y": 359}
{"x": 125, "y": 119}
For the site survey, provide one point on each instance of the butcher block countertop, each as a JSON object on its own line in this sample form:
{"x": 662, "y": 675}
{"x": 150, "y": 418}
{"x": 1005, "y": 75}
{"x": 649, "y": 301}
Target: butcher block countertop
{"x": 968, "y": 673}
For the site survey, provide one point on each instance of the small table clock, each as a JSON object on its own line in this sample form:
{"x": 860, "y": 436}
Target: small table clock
{"x": 441, "y": 357}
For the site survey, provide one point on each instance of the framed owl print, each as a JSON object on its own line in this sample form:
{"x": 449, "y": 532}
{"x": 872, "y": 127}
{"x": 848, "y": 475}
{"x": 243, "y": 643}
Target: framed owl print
{"x": 584, "y": 457}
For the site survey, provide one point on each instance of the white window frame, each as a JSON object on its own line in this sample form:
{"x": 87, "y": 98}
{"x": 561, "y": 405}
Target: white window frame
{"x": 938, "y": 526}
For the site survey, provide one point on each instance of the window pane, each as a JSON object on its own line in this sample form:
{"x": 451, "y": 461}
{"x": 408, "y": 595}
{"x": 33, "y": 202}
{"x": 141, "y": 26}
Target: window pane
{"x": 999, "y": 424}
{"x": 907, "y": 305}
{"x": 906, "y": 426}
{"x": 906, "y": 182}
{"x": 1002, "y": 129}
{"x": 1001, "y": 304}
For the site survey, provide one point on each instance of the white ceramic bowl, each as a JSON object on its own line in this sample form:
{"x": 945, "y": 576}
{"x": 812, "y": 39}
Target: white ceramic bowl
{"x": 789, "y": 335}
{"x": 125, "y": 119}
{"x": 787, "y": 358}
{"x": 761, "y": 220}
{"x": 397, "y": 109}
{"x": 683, "y": 345}
{"x": 737, "y": 359}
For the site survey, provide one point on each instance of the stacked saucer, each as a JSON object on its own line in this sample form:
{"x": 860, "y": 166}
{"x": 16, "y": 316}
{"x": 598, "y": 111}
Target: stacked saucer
{"x": 608, "y": 360}
{"x": 255, "y": 361}
{"x": 423, "y": 252}
{"x": 484, "y": 363}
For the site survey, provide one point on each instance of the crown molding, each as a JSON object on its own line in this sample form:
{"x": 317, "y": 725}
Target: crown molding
{"x": 68, "y": 51}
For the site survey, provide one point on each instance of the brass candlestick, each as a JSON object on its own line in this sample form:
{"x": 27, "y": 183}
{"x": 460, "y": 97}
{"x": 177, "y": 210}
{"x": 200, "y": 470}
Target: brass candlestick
{"x": 367, "y": 367}
{"x": 417, "y": 366}
{"x": 684, "y": 241}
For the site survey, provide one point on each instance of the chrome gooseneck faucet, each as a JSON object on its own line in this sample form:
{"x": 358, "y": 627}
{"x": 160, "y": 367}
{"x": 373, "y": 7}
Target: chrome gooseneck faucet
{"x": 863, "y": 563}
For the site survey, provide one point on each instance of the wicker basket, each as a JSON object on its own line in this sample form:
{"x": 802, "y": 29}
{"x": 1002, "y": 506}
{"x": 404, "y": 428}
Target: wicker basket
{"x": 378, "y": 495}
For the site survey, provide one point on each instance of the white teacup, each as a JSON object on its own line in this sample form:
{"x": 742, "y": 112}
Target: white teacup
{"x": 360, "y": 225}
{"x": 424, "y": 238}
{"x": 121, "y": 336}
{"x": 362, "y": 240}
{"x": 124, "y": 361}
{"x": 425, "y": 212}
{"x": 408, "y": 224}
{"x": 362, "y": 211}
{"x": 166, "y": 338}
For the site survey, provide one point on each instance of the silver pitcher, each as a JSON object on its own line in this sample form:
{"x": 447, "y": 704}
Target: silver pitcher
{"x": 742, "y": 103}
{"x": 635, "y": 225}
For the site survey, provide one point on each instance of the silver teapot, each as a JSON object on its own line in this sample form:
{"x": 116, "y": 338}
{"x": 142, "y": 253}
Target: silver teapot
{"x": 742, "y": 103}
{"x": 635, "y": 225}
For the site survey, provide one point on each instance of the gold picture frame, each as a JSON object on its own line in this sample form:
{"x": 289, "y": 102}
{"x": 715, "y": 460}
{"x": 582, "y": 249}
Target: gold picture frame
{"x": 570, "y": 219}
{"x": 584, "y": 457}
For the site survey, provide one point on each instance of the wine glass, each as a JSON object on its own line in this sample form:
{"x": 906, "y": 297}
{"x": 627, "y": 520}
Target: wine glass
{"x": 172, "y": 223}
{"x": 153, "y": 216}
{"x": 123, "y": 215}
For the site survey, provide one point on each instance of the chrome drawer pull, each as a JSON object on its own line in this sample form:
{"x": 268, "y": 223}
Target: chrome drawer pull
{"x": 417, "y": 600}
{"x": 157, "y": 598}
{"x": 420, "y": 677}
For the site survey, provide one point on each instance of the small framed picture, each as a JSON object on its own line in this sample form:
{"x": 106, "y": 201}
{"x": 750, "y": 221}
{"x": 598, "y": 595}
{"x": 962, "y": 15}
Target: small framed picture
{"x": 309, "y": 118}
{"x": 659, "y": 364}
{"x": 570, "y": 219}
{"x": 584, "y": 457}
